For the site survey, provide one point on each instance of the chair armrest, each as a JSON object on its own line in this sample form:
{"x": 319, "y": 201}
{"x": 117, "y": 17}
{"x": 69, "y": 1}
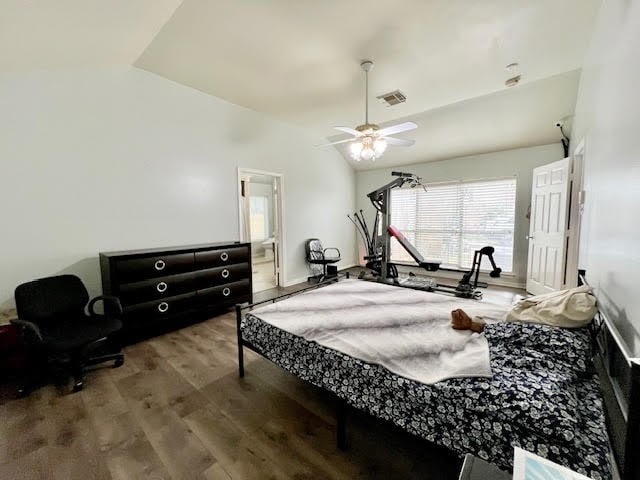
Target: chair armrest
{"x": 29, "y": 327}
{"x": 114, "y": 301}
{"x": 330, "y": 248}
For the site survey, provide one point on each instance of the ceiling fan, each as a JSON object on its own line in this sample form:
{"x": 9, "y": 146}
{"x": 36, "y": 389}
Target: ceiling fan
{"x": 370, "y": 141}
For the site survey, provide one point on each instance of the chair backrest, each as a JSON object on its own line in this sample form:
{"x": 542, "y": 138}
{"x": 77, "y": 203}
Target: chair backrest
{"x": 314, "y": 250}
{"x": 50, "y": 298}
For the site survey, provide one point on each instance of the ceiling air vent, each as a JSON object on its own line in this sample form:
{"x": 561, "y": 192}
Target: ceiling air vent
{"x": 393, "y": 98}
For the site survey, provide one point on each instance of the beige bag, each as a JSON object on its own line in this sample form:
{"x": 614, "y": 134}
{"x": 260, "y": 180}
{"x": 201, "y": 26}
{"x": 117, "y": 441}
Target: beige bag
{"x": 571, "y": 308}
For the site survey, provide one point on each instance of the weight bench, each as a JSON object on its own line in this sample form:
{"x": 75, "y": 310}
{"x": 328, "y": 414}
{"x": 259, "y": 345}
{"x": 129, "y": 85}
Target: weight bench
{"x": 429, "y": 266}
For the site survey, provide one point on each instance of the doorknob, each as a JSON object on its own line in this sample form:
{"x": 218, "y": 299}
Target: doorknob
{"x": 529, "y": 237}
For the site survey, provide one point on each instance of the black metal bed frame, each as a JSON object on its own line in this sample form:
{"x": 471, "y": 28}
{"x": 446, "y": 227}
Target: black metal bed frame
{"x": 341, "y": 405}
{"x": 619, "y": 375}
{"x": 618, "y": 370}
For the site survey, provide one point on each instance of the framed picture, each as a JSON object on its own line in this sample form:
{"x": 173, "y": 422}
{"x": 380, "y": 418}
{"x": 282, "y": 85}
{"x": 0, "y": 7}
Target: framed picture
{"x": 529, "y": 466}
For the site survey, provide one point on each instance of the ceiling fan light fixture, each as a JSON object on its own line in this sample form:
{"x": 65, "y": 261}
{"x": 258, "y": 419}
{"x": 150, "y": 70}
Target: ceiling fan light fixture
{"x": 368, "y": 153}
{"x": 367, "y": 147}
{"x": 370, "y": 141}
{"x": 379, "y": 146}
{"x": 355, "y": 148}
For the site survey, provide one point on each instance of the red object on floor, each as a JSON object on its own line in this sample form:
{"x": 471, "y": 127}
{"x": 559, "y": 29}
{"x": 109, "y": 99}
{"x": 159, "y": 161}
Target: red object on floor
{"x": 13, "y": 355}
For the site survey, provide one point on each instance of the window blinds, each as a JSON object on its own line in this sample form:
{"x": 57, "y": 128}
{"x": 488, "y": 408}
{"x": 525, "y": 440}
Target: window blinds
{"x": 450, "y": 221}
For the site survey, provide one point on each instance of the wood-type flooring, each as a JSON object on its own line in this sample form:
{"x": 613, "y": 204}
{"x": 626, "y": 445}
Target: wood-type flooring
{"x": 177, "y": 409}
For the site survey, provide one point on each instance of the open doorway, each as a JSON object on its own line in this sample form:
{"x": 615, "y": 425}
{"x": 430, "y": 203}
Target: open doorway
{"x": 260, "y": 195}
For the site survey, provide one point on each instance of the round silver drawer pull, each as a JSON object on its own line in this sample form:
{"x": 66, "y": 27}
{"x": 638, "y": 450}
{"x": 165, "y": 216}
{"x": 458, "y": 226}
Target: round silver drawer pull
{"x": 159, "y": 265}
{"x": 163, "y": 307}
{"x": 226, "y": 292}
{"x": 225, "y": 273}
{"x": 161, "y": 287}
{"x": 224, "y": 256}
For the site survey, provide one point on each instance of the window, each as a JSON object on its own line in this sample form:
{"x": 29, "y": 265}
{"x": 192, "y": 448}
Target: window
{"x": 450, "y": 221}
{"x": 259, "y": 217}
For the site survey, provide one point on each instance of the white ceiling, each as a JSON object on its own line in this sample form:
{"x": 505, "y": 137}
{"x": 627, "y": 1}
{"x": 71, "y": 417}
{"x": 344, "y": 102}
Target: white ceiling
{"x": 298, "y": 60}
{"x": 513, "y": 118}
{"x": 40, "y": 34}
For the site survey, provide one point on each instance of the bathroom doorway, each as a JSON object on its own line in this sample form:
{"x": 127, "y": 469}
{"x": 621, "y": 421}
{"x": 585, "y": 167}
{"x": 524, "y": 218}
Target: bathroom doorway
{"x": 260, "y": 195}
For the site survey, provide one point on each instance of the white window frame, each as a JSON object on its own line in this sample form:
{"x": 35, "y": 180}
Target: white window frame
{"x": 506, "y": 270}
{"x": 265, "y": 205}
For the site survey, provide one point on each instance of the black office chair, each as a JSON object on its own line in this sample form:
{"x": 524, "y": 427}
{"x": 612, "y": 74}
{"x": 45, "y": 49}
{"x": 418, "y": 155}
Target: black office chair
{"x": 52, "y": 319}
{"x": 316, "y": 255}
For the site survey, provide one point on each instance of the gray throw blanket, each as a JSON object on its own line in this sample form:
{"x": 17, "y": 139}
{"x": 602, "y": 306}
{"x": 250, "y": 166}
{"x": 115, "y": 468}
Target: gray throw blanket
{"x": 406, "y": 331}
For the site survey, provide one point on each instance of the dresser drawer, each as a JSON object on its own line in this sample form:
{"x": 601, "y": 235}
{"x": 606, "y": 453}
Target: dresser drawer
{"x": 224, "y": 293}
{"x": 221, "y": 275}
{"x": 132, "y": 269}
{"x": 160, "y": 287}
{"x": 222, "y": 257}
{"x": 165, "y": 307}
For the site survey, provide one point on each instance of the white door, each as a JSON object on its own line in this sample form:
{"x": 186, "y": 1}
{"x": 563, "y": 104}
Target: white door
{"x": 548, "y": 228}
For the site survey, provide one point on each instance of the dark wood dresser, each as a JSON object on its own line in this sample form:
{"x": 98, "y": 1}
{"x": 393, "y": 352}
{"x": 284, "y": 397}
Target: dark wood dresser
{"x": 162, "y": 286}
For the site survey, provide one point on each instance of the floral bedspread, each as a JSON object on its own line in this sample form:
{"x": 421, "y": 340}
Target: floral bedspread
{"x": 544, "y": 395}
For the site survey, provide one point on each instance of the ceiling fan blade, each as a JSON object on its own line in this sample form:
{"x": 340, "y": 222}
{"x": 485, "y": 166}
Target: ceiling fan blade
{"x": 399, "y": 142}
{"x": 401, "y": 127}
{"x": 348, "y": 130}
{"x": 336, "y": 143}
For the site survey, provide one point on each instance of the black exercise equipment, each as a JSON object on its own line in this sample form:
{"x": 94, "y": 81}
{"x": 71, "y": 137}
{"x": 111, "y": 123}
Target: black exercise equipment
{"x": 432, "y": 266}
{"x": 371, "y": 241}
{"x": 379, "y": 247}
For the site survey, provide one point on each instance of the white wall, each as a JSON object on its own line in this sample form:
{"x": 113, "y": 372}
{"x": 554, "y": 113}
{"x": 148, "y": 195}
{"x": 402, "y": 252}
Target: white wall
{"x": 98, "y": 160}
{"x": 519, "y": 163}
{"x": 607, "y": 117}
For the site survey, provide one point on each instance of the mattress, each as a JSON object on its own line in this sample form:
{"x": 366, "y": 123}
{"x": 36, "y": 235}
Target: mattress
{"x": 543, "y": 395}
{"x": 404, "y": 330}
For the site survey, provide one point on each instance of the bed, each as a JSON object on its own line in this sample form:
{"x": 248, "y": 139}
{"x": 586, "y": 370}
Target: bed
{"x": 543, "y": 396}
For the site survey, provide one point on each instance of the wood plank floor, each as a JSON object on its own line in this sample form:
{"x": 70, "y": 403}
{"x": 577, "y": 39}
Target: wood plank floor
{"x": 177, "y": 409}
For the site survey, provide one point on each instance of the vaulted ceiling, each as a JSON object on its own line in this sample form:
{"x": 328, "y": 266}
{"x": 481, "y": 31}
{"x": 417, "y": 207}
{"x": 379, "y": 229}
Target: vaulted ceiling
{"x": 40, "y": 34}
{"x": 298, "y": 60}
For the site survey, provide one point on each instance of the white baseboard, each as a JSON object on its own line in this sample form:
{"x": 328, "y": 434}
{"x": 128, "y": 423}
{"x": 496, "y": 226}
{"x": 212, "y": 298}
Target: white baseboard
{"x": 348, "y": 266}
{"x": 295, "y": 281}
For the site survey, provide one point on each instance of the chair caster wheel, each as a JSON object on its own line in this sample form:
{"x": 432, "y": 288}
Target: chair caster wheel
{"x": 23, "y": 392}
{"x": 118, "y": 363}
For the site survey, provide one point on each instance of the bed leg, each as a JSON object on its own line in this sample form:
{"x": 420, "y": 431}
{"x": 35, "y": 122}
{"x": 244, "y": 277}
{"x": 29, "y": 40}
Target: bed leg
{"x": 341, "y": 425}
{"x": 239, "y": 332}
{"x": 240, "y": 361}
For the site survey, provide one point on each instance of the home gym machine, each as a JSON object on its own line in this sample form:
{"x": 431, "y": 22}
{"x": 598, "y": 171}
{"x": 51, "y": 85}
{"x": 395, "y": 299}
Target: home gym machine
{"x": 378, "y": 244}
